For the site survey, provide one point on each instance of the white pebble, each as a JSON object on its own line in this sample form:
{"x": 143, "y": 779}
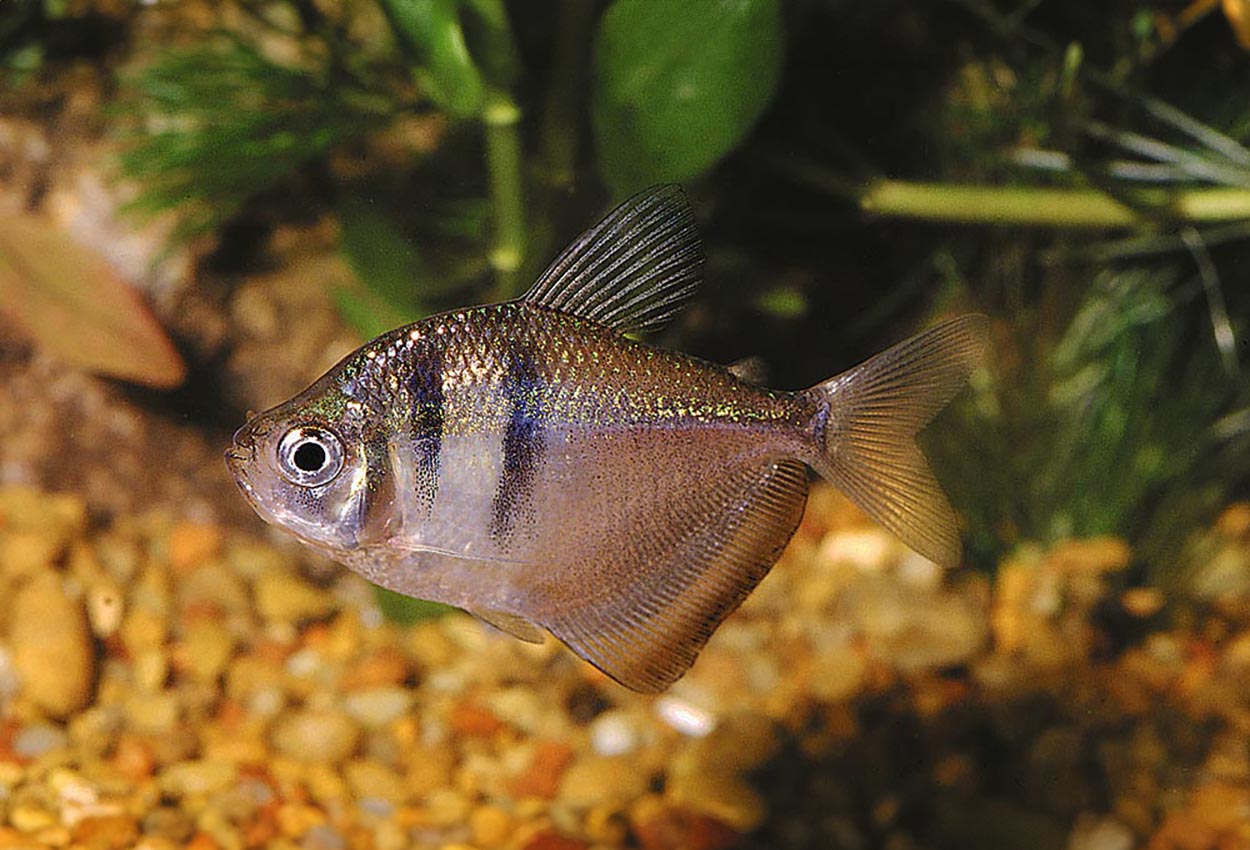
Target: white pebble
{"x": 376, "y": 707}
{"x": 685, "y": 717}
{"x": 613, "y": 733}
{"x": 34, "y": 741}
{"x": 1101, "y": 834}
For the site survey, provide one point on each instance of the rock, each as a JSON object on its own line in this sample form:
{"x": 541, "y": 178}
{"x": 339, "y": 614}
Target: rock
{"x": 192, "y": 543}
{"x": 469, "y": 718}
{"x": 31, "y": 817}
{"x": 133, "y": 758}
{"x": 430, "y": 770}
{"x": 543, "y": 775}
{"x": 38, "y": 739}
{"x": 606, "y": 826}
{"x": 1091, "y": 556}
{"x": 445, "y": 807}
{"x": 285, "y": 598}
{"x": 108, "y": 832}
{"x": 1100, "y": 833}
{"x": 325, "y": 736}
{"x": 371, "y": 779}
{"x": 550, "y": 840}
{"x": 685, "y": 716}
{"x": 152, "y": 713}
{"x": 659, "y": 826}
{"x": 105, "y": 607}
{"x": 599, "y": 780}
{"x": 26, "y": 552}
{"x": 205, "y": 650}
{"x": 52, "y": 651}
{"x": 376, "y": 707}
{"x": 837, "y": 672}
{"x": 720, "y": 794}
{"x": 198, "y": 777}
{"x": 614, "y": 733}
{"x": 381, "y": 667}
{"x": 490, "y": 827}
{"x": 294, "y": 820}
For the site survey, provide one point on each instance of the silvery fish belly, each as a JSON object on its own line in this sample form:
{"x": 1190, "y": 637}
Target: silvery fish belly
{"x": 530, "y": 463}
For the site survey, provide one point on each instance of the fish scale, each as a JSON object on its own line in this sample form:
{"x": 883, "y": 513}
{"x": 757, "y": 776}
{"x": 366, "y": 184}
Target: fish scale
{"x": 530, "y": 463}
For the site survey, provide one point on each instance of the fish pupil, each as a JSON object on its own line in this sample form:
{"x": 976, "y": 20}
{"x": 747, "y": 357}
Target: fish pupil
{"x": 309, "y": 457}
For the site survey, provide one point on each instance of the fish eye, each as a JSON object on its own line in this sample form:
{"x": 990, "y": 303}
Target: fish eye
{"x": 310, "y": 456}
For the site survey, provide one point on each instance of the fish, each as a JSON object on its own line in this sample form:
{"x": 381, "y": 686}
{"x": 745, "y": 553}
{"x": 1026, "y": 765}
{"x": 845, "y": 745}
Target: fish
{"x": 536, "y": 464}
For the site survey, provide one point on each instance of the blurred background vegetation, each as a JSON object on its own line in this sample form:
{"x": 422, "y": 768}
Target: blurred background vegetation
{"x": 1075, "y": 170}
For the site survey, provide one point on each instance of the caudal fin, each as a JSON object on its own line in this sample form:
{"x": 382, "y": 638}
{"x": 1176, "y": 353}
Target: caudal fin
{"x": 872, "y": 415}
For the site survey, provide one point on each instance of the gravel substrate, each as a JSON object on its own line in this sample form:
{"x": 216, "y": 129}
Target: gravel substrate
{"x": 166, "y": 683}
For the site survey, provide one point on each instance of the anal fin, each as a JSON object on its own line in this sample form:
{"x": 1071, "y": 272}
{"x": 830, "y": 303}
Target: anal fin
{"x": 646, "y": 631}
{"x": 518, "y": 627}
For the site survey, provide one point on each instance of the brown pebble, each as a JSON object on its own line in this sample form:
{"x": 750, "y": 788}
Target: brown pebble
{"x": 542, "y": 777}
{"x": 602, "y": 780}
{"x": 324, "y": 736}
{"x": 469, "y": 718}
{"x": 1143, "y": 601}
{"x": 370, "y": 778}
{"x": 606, "y": 825}
{"x": 661, "y": 827}
{"x": 430, "y": 769}
{"x": 26, "y": 553}
{"x": 1090, "y": 556}
{"x": 285, "y": 598}
{"x": 52, "y": 649}
{"x": 133, "y": 758}
{"x": 192, "y": 543}
{"x": 295, "y": 819}
{"x": 202, "y": 841}
{"x": 548, "y": 840}
{"x": 490, "y": 827}
{"x": 1234, "y": 521}
{"x": 111, "y": 832}
{"x": 384, "y": 666}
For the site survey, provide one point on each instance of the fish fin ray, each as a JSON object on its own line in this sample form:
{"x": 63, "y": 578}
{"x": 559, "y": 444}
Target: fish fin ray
{"x": 517, "y": 626}
{"x": 633, "y": 270}
{"x": 646, "y": 633}
{"x": 872, "y": 415}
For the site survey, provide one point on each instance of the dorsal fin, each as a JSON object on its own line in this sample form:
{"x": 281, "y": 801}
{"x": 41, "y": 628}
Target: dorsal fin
{"x": 633, "y": 270}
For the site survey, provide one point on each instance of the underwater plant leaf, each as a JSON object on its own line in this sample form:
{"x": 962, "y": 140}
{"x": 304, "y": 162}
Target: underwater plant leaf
{"x": 432, "y": 29}
{"x": 207, "y": 129}
{"x": 75, "y": 306}
{"x": 678, "y": 84}
{"x": 383, "y": 258}
{"x": 367, "y": 312}
{"x": 406, "y": 610}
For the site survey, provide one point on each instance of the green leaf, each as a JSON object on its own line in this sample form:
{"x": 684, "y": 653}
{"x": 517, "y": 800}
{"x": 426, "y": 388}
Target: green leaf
{"x": 382, "y": 257}
{"x": 406, "y": 610}
{"x": 71, "y": 303}
{"x": 432, "y": 29}
{"x": 678, "y": 83}
{"x": 369, "y": 314}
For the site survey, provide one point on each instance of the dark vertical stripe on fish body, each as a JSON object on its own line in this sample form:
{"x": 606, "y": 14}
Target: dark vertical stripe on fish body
{"x": 425, "y": 389}
{"x": 522, "y": 445}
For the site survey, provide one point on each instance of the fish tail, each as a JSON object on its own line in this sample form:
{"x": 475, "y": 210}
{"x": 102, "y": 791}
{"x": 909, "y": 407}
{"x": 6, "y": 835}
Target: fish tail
{"x": 865, "y": 427}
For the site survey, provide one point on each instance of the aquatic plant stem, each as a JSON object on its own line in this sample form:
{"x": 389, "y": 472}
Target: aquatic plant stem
{"x": 501, "y": 117}
{"x": 962, "y": 204}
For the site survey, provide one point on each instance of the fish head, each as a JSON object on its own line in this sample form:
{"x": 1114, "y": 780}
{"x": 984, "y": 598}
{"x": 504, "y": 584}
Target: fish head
{"x": 305, "y": 466}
